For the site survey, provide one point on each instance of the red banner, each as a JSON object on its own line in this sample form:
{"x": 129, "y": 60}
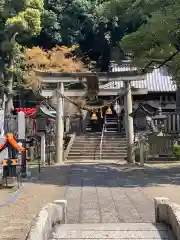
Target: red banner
{"x": 27, "y": 111}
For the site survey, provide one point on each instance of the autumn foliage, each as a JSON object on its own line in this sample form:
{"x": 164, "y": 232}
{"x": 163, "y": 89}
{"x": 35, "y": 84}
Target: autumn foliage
{"x": 58, "y": 59}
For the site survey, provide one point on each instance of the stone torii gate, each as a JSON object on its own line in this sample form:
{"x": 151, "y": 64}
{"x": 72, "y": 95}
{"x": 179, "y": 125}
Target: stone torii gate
{"x": 59, "y": 79}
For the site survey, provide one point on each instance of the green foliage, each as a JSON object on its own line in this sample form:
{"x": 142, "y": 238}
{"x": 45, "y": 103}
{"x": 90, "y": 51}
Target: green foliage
{"x": 18, "y": 20}
{"x": 176, "y": 149}
{"x": 28, "y": 20}
{"x": 36, "y": 4}
{"x": 97, "y": 26}
{"x": 158, "y": 38}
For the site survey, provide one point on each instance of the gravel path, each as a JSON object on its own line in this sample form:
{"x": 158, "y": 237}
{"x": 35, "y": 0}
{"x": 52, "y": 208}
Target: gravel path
{"x": 15, "y": 219}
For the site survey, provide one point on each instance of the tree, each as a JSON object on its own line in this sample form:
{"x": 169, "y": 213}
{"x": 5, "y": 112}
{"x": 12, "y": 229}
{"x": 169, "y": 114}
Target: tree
{"x": 19, "y": 20}
{"x": 58, "y": 59}
{"x": 157, "y": 39}
{"x": 158, "y": 42}
{"x": 97, "y": 26}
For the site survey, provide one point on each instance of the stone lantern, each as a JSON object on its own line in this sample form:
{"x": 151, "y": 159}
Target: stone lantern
{"x": 41, "y": 121}
{"x": 159, "y": 120}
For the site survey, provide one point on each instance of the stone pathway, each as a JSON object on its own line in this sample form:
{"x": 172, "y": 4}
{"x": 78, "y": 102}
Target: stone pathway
{"x": 111, "y": 193}
{"x": 95, "y": 193}
{"x": 101, "y": 194}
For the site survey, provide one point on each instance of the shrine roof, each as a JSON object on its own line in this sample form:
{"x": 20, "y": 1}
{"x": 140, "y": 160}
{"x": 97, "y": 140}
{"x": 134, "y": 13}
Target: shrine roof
{"x": 141, "y": 109}
{"x": 156, "y": 81}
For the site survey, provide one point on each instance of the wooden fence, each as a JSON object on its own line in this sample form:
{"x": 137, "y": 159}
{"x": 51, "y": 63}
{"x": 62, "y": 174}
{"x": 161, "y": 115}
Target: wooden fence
{"x": 171, "y": 123}
{"x": 160, "y": 146}
{"x": 155, "y": 148}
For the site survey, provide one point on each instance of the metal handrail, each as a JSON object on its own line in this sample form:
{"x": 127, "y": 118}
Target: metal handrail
{"x": 101, "y": 142}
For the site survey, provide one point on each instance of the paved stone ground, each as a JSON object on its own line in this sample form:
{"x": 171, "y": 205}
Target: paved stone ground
{"x": 111, "y": 193}
{"x": 96, "y": 193}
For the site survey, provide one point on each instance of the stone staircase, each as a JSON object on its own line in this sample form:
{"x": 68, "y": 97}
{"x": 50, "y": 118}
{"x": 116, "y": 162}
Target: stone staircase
{"x": 130, "y": 231}
{"x": 111, "y": 124}
{"x": 87, "y": 148}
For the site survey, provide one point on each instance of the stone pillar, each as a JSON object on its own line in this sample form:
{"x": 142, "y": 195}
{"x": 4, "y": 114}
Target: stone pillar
{"x": 129, "y": 122}
{"x": 22, "y": 140}
{"x": 43, "y": 149}
{"x": 59, "y": 125}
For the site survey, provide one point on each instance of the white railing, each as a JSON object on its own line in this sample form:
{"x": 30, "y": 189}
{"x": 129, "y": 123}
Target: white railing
{"x": 101, "y": 142}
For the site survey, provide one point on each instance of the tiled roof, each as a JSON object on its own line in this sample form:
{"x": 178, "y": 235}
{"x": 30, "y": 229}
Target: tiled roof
{"x": 156, "y": 81}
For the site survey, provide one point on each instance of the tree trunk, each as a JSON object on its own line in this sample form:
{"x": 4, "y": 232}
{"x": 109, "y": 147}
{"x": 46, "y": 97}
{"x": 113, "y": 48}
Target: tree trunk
{"x": 106, "y": 57}
{"x": 9, "y": 103}
{"x": 178, "y": 99}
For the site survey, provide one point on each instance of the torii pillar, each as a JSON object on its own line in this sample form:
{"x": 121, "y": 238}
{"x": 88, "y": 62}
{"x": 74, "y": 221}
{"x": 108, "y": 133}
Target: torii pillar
{"x": 59, "y": 150}
{"x": 129, "y": 127}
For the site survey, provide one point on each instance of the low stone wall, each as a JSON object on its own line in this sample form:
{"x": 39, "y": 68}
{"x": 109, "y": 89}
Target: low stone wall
{"x": 66, "y": 152}
{"x": 168, "y": 213}
{"x": 50, "y": 215}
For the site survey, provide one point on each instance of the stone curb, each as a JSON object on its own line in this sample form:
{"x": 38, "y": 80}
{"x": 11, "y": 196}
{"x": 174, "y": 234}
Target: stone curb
{"x": 50, "y": 215}
{"x": 168, "y": 213}
{"x": 148, "y": 166}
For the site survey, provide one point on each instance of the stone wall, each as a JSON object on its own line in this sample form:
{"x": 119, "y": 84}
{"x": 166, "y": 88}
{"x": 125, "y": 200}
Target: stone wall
{"x": 49, "y": 216}
{"x": 168, "y": 213}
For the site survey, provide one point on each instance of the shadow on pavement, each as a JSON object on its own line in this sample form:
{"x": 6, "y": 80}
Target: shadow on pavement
{"x": 102, "y": 175}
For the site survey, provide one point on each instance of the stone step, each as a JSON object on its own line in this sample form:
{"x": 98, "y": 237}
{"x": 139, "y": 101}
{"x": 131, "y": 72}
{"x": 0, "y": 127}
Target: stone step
{"x": 118, "y": 145}
{"x": 96, "y": 156}
{"x": 110, "y": 130}
{"x": 107, "y": 152}
{"x": 128, "y": 231}
{"x": 98, "y": 142}
{"x": 92, "y": 161}
{"x": 93, "y": 150}
{"x": 111, "y": 155}
{"x": 96, "y": 146}
{"x": 83, "y": 157}
{"x": 114, "y": 135}
{"x": 99, "y": 138}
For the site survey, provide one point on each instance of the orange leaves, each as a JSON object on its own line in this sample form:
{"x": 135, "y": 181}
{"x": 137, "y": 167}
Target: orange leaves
{"x": 58, "y": 59}
{"x": 36, "y": 58}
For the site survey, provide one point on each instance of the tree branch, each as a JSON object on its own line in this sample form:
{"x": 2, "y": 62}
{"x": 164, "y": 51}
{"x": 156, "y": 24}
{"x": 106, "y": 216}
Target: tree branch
{"x": 163, "y": 63}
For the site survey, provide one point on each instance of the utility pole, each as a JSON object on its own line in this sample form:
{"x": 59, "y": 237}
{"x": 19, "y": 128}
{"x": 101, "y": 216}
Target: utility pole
{"x": 59, "y": 125}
